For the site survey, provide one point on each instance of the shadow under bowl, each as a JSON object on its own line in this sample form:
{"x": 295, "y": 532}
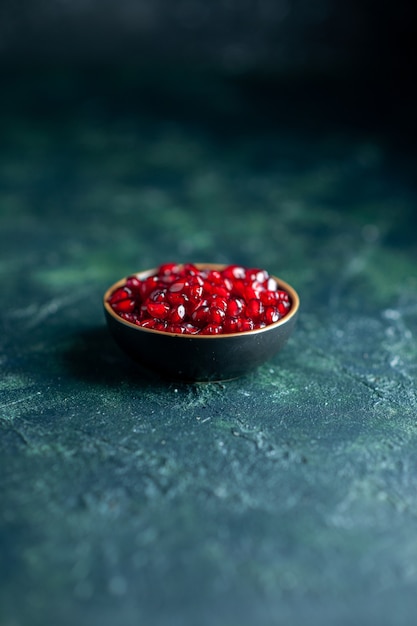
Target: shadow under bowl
{"x": 200, "y": 358}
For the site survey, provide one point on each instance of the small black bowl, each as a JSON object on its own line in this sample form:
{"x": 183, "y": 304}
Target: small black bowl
{"x": 200, "y": 357}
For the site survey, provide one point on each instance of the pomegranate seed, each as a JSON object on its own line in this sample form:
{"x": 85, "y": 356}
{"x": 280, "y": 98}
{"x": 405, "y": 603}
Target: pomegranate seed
{"x": 149, "y": 323}
{"x": 191, "y": 269}
{"x": 256, "y": 274}
{"x": 235, "y": 272}
{"x": 228, "y": 283}
{"x": 167, "y": 269}
{"x": 235, "y": 307}
{"x": 231, "y": 325}
{"x": 195, "y": 292}
{"x": 179, "y": 286}
{"x": 222, "y": 292}
{"x": 129, "y": 317}
{"x": 120, "y": 294}
{"x": 216, "y": 315}
{"x": 254, "y": 309}
{"x": 182, "y": 299}
{"x": 215, "y": 277}
{"x": 201, "y": 315}
{"x": 160, "y": 310}
{"x": 271, "y": 315}
{"x": 249, "y": 293}
{"x": 177, "y": 315}
{"x": 178, "y": 329}
{"x": 238, "y": 289}
{"x": 212, "y": 329}
{"x": 158, "y": 295}
{"x": 124, "y": 306}
{"x": 257, "y": 287}
{"x": 268, "y": 297}
{"x": 219, "y": 302}
{"x": 283, "y": 308}
{"x": 177, "y": 298}
{"x": 196, "y": 279}
{"x": 160, "y": 325}
{"x": 134, "y": 283}
{"x": 272, "y": 285}
{"x": 283, "y": 296}
{"x": 245, "y": 324}
{"x": 190, "y": 329}
{"x": 148, "y": 285}
{"x": 208, "y": 288}
{"x": 193, "y": 306}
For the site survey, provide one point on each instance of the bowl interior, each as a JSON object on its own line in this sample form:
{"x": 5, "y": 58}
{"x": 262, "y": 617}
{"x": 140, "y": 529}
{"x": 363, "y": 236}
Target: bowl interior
{"x": 295, "y": 303}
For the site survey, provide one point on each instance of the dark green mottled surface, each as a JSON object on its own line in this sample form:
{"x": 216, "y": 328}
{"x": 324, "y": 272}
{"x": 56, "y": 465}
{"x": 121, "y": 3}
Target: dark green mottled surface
{"x": 288, "y": 497}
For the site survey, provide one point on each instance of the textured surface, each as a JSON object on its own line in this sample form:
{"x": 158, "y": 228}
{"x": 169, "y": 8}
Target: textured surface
{"x": 285, "y": 497}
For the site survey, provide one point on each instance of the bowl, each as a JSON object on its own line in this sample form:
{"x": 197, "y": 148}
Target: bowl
{"x": 200, "y": 358}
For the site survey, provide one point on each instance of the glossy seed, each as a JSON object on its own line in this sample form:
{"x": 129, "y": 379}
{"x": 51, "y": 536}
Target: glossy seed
{"x": 254, "y": 309}
{"x": 177, "y": 314}
{"x": 159, "y": 310}
{"x": 124, "y": 306}
{"x": 271, "y": 315}
{"x": 212, "y": 329}
{"x": 122, "y": 293}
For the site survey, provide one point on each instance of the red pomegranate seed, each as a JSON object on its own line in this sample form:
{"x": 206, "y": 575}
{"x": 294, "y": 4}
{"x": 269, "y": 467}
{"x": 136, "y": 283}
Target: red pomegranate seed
{"x": 238, "y": 288}
{"x": 216, "y": 315}
{"x": 148, "y": 285}
{"x": 256, "y": 274}
{"x": 158, "y": 295}
{"x": 283, "y": 308}
{"x": 120, "y": 294}
{"x": 124, "y": 306}
{"x": 190, "y": 329}
{"x": 179, "y": 286}
{"x": 191, "y": 269}
{"x": 129, "y": 317}
{"x": 201, "y": 316}
{"x": 195, "y": 292}
{"x": 177, "y": 315}
{"x": 235, "y": 307}
{"x": 160, "y": 325}
{"x": 212, "y": 329}
{"x": 245, "y": 324}
{"x": 234, "y": 272}
{"x": 159, "y": 310}
{"x": 167, "y": 269}
{"x": 219, "y": 302}
{"x": 272, "y": 284}
{"x": 177, "y": 298}
{"x": 222, "y": 292}
{"x": 196, "y": 279}
{"x": 254, "y": 309}
{"x": 231, "y": 325}
{"x": 282, "y": 295}
{"x": 208, "y": 288}
{"x": 134, "y": 283}
{"x": 148, "y": 323}
{"x": 271, "y": 315}
{"x": 177, "y": 329}
{"x": 268, "y": 297}
{"x": 215, "y": 277}
{"x": 249, "y": 293}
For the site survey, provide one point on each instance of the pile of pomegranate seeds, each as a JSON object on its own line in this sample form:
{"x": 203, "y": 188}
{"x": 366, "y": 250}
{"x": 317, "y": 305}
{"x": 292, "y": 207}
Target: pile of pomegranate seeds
{"x": 183, "y": 299}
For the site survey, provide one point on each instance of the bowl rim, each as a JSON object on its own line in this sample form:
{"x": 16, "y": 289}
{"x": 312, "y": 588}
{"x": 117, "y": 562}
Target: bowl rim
{"x": 295, "y": 304}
